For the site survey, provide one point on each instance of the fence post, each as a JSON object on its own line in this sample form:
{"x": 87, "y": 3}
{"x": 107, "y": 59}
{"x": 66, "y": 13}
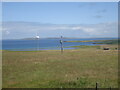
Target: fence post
{"x": 61, "y": 42}
{"x": 96, "y": 86}
{"x": 110, "y": 88}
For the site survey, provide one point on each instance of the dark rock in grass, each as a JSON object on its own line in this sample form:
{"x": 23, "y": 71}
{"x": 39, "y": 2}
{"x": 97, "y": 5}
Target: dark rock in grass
{"x": 106, "y": 48}
{"x": 115, "y": 48}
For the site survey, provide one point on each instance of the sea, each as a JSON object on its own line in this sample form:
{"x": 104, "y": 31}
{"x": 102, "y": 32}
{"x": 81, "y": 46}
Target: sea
{"x": 45, "y": 44}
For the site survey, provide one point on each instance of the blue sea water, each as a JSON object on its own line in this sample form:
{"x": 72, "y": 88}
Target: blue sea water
{"x": 44, "y": 44}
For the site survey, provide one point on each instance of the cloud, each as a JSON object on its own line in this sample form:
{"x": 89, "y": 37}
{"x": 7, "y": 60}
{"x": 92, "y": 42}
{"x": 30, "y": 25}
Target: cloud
{"x": 7, "y": 32}
{"x": 98, "y": 16}
{"x": 102, "y": 11}
{"x": 89, "y": 5}
{"x": 29, "y": 29}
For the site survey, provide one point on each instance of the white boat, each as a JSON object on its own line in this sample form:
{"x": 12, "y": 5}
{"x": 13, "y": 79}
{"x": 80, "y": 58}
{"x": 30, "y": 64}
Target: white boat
{"x": 37, "y": 37}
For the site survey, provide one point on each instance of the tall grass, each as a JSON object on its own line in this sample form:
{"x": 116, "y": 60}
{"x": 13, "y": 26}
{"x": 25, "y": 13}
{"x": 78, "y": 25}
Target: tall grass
{"x": 80, "y": 68}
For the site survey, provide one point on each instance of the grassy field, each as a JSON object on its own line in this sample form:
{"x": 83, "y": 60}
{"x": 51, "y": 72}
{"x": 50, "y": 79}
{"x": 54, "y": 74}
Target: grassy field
{"x": 79, "y": 68}
{"x": 114, "y": 41}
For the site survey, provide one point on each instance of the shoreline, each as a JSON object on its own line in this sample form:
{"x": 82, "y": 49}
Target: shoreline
{"x": 97, "y": 47}
{"x": 96, "y": 44}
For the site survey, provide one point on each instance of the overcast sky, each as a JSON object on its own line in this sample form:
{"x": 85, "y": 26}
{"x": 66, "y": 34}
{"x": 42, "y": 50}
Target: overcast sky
{"x": 69, "y": 19}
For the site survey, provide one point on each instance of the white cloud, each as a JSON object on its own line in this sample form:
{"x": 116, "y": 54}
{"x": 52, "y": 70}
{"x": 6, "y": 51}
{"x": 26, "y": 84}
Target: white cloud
{"x": 28, "y": 29}
{"x": 7, "y": 32}
{"x": 89, "y": 30}
{"x": 77, "y": 28}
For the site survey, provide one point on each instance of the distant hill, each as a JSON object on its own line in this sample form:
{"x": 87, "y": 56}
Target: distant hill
{"x": 48, "y": 38}
{"x": 59, "y": 38}
{"x": 29, "y": 38}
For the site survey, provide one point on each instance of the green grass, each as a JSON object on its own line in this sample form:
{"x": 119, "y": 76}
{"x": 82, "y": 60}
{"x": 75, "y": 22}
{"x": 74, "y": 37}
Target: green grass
{"x": 111, "y": 47}
{"x": 80, "y": 68}
{"x": 85, "y": 46}
{"x": 108, "y": 42}
{"x": 100, "y": 41}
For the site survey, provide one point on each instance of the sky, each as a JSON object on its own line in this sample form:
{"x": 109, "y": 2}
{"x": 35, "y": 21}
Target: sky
{"x": 53, "y": 19}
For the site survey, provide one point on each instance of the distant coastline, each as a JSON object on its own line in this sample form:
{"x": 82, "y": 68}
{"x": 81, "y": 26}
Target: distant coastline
{"x": 64, "y": 38}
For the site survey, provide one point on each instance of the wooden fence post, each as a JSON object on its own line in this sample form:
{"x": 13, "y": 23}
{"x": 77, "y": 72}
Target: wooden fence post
{"x": 110, "y": 88}
{"x": 96, "y": 86}
{"x": 61, "y": 42}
